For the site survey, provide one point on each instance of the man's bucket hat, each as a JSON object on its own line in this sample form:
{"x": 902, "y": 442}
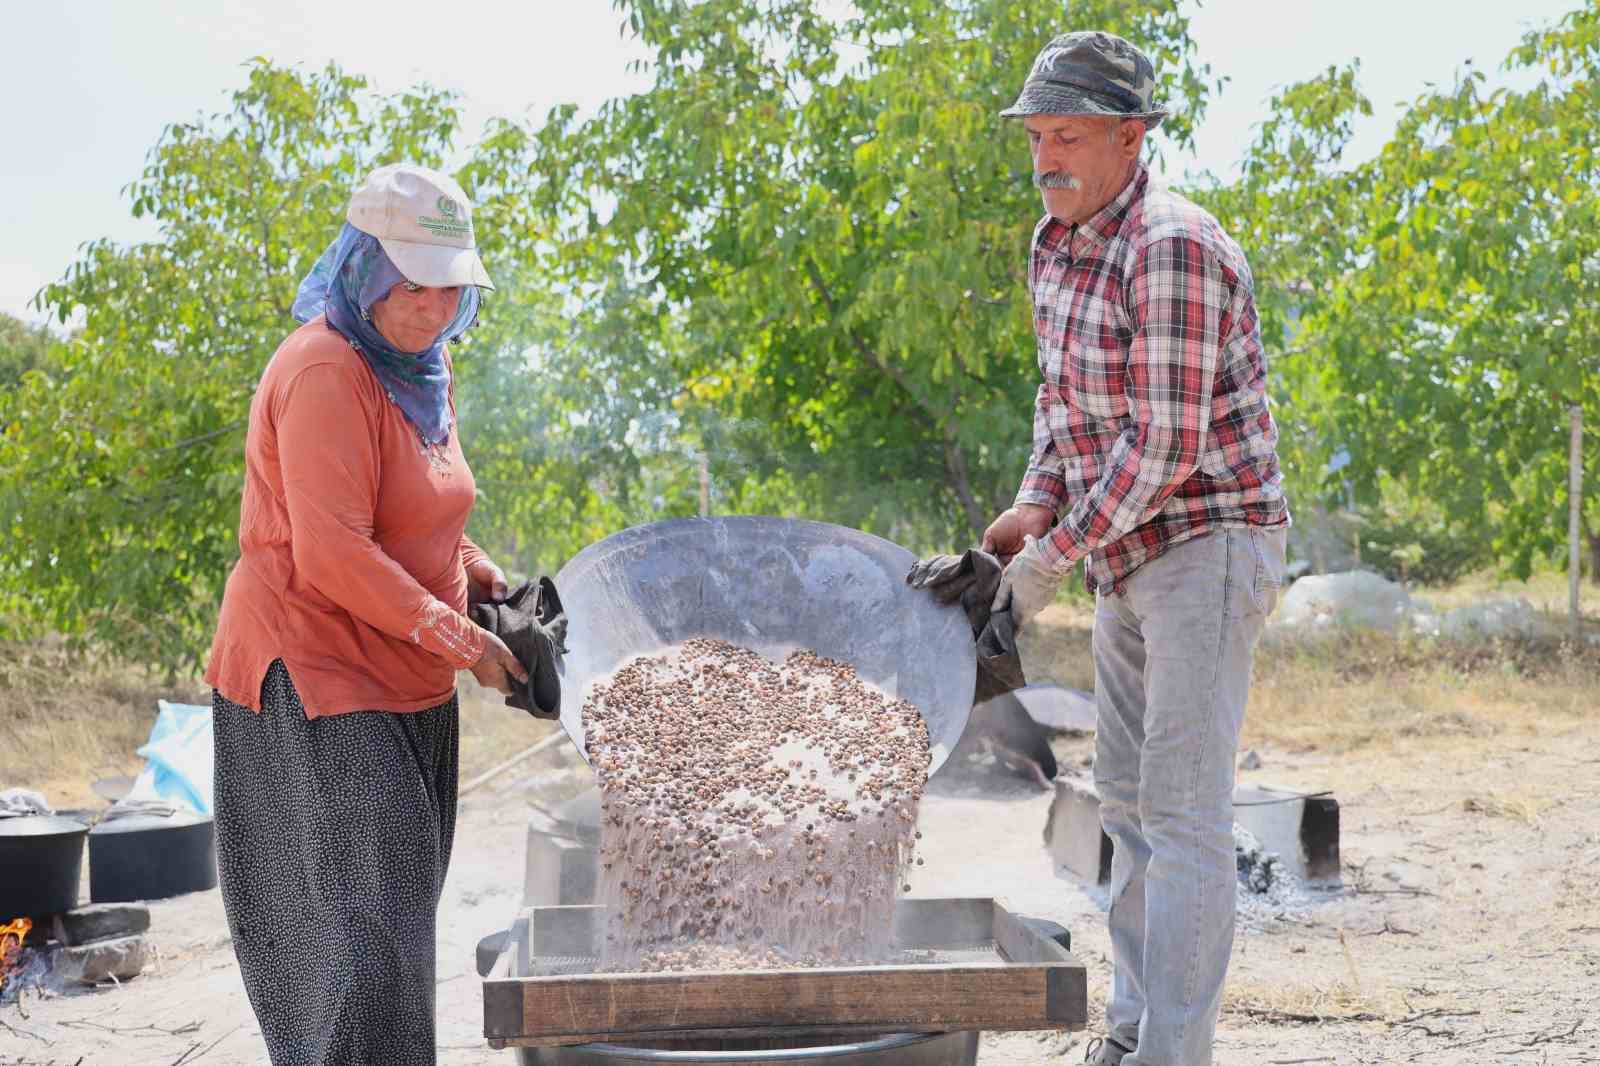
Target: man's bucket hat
{"x": 424, "y": 222}
{"x": 1090, "y": 73}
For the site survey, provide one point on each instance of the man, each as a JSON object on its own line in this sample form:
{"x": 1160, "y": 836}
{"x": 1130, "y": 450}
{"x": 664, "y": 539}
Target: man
{"x": 1154, "y": 459}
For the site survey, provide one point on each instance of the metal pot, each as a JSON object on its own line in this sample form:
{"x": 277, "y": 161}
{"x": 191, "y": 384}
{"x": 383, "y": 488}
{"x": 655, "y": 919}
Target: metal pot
{"x": 151, "y": 851}
{"x": 42, "y": 856}
{"x": 894, "y": 1049}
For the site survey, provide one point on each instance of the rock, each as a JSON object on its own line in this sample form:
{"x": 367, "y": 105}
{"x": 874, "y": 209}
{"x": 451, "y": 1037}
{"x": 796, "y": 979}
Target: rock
{"x": 102, "y": 921}
{"x": 121, "y": 958}
{"x": 1356, "y": 598}
{"x": 1496, "y": 618}
{"x": 1251, "y": 761}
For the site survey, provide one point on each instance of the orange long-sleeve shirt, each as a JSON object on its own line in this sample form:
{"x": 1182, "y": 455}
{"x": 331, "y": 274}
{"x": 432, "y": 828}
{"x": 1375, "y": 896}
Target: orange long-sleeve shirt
{"x": 352, "y": 544}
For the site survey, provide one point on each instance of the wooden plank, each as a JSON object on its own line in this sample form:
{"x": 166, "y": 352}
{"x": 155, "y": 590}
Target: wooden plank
{"x": 924, "y": 997}
{"x": 502, "y": 989}
{"x": 890, "y": 997}
{"x": 1033, "y": 984}
{"x": 1066, "y": 982}
{"x": 836, "y": 1034}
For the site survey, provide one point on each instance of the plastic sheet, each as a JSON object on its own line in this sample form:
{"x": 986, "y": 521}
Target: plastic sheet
{"x": 178, "y": 759}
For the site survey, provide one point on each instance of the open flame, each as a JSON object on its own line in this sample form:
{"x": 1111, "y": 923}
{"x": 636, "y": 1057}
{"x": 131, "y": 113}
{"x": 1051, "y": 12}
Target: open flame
{"x": 11, "y": 937}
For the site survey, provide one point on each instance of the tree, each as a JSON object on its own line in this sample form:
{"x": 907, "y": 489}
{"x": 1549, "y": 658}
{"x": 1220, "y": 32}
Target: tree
{"x": 121, "y": 469}
{"x": 1437, "y": 301}
{"x": 799, "y": 255}
{"x": 1471, "y": 328}
{"x": 817, "y": 230}
{"x": 22, "y": 348}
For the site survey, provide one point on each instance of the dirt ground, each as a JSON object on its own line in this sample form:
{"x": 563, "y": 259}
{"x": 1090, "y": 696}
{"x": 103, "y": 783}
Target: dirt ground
{"x": 1467, "y": 930}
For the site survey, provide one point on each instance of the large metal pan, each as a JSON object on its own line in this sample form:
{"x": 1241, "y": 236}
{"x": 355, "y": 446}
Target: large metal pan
{"x": 771, "y": 585}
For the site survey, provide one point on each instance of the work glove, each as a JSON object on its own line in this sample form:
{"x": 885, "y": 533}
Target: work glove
{"x": 1027, "y": 586}
{"x": 971, "y": 580}
{"x": 533, "y": 625}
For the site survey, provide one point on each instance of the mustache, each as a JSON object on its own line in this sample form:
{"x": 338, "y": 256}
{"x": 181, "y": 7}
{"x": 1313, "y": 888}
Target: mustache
{"x": 1055, "y": 179}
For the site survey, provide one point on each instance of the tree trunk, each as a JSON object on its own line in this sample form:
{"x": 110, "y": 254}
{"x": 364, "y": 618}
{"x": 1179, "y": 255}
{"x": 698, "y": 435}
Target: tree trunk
{"x": 938, "y": 419}
{"x": 961, "y": 484}
{"x": 705, "y": 485}
{"x": 1574, "y": 518}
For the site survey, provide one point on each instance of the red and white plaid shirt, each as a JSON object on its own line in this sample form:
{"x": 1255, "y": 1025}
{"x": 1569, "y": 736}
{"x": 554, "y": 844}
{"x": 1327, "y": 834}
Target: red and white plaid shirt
{"x": 1151, "y": 425}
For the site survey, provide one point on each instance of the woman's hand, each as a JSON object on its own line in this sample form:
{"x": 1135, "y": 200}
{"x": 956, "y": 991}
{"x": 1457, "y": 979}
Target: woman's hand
{"x": 496, "y": 668}
{"x": 486, "y": 583}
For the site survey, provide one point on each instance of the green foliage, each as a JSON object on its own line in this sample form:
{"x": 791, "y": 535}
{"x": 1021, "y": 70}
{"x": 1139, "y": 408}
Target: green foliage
{"x": 1411, "y": 539}
{"x": 1446, "y": 291}
{"x": 814, "y": 235}
{"x": 796, "y": 264}
{"x": 22, "y": 348}
{"x": 121, "y": 467}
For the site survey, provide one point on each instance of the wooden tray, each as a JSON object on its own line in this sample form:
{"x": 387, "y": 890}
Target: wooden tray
{"x": 990, "y": 970}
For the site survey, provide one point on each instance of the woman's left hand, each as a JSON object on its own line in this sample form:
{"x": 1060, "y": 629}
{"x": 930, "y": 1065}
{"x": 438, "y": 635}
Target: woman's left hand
{"x": 486, "y": 583}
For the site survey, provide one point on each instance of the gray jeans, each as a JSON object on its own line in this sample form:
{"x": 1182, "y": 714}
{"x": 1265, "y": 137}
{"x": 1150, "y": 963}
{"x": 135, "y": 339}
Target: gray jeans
{"x": 1172, "y": 657}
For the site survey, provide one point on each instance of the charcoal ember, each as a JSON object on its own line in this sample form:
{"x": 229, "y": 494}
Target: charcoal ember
{"x": 1259, "y": 869}
{"x": 752, "y": 806}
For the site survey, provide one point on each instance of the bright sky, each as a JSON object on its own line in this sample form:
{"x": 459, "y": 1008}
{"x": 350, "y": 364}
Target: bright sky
{"x": 88, "y": 84}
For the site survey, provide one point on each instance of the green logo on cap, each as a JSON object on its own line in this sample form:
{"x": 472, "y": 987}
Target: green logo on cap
{"x": 448, "y": 223}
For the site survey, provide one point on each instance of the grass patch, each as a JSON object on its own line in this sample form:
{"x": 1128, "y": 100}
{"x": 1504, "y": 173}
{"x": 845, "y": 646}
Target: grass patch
{"x": 68, "y": 718}
{"x": 1349, "y": 690}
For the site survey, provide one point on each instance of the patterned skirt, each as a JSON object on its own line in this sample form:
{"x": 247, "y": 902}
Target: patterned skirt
{"x": 333, "y": 837}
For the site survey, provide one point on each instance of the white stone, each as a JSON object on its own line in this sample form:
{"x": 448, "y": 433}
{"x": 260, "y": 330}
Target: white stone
{"x": 1357, "y": 598}
{"x": 1497, "y": 618}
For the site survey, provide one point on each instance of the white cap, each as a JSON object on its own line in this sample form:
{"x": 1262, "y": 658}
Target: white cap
{"x": 424, "y": 222}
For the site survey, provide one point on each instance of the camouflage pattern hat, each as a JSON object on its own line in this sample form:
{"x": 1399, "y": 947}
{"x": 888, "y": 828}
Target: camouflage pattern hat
{"x": 1090, "y": 73}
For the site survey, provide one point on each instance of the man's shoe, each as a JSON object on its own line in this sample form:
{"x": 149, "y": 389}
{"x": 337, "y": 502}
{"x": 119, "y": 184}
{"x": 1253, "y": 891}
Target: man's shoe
{"x": 1104, "y": 1051}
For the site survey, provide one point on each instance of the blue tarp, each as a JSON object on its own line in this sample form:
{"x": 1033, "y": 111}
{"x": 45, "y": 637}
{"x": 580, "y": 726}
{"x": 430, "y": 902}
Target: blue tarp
{"x": 178, "y": 758}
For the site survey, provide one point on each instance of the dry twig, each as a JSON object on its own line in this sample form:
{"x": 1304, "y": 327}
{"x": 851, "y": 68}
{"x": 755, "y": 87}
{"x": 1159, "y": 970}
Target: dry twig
{"x": 148, "y": 1029}
{"x": 21, "y": 1032}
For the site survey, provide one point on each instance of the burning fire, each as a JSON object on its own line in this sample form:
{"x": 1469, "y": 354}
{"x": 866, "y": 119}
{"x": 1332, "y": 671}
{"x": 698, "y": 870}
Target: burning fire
{"x": 11, "y": 938}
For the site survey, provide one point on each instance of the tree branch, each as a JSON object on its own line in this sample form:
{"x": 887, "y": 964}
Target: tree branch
{"x": 955, "y": 463}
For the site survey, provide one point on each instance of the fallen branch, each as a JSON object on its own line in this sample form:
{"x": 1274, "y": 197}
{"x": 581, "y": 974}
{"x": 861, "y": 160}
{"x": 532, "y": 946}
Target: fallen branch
{"x": 1273, "y": 1015}
{"x": 1551, "y": 1038}
{"x": 521, "y": 756}
{"x": 1436, "y": 1012}
{"x": 149, "y": 1028}
{"x": 215, "y": 1042}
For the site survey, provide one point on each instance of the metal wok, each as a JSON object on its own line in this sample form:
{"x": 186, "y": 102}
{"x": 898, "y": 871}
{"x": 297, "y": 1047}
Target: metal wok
{"x": 771, "y": 585}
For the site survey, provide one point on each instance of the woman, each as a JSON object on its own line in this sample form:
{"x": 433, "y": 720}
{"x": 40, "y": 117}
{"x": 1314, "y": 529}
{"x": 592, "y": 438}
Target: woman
{"x": 342, "y": 628}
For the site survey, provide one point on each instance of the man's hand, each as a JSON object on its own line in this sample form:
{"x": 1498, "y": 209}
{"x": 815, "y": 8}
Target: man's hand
{"x": 486, "y": 583}
{"x": 1028, "y": 585}
{"x": 1005, "y": 535}
{"x": 497, "y": 667}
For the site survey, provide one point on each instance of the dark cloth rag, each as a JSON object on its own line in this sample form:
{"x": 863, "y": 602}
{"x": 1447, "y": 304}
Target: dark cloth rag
{"x": 971, "y": 579}
{"x": 533, "y": 625}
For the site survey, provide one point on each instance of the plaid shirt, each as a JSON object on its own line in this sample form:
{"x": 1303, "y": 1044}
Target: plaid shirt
{"x": 1151, "y": 425}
